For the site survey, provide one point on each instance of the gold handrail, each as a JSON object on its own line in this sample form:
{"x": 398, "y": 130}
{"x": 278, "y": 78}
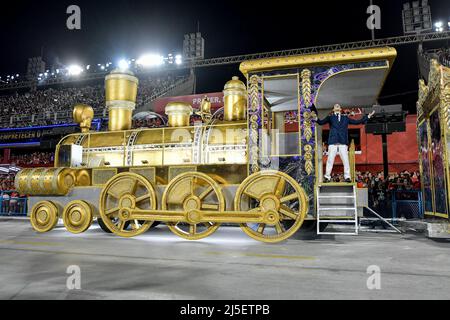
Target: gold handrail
{"x": 352, "y": 161}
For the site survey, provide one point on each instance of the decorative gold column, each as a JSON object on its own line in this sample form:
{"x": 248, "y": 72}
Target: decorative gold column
{"x": 253, "y": 123}
{"x": 307, "y": 124}
{"x": 120, "y": 93}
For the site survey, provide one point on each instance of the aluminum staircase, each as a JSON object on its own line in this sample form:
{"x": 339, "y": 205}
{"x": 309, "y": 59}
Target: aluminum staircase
{"x": 337, "y": 204}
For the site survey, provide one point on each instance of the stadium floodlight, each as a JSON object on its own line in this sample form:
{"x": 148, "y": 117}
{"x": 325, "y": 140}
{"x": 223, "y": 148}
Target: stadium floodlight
{"x": 439, "y": 26}
{"x": 74, "y": 70}
{"x": 150, "y": 60}
{"x": 178, "y": 59}
{"x": 123, "y": 64}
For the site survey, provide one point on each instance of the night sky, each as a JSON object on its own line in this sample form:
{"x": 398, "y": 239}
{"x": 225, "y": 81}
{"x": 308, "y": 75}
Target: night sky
{"x": 114, "y": 29}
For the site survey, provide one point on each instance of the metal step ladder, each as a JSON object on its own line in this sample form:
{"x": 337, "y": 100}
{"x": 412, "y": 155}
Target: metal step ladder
{"x": 337, "y": 204}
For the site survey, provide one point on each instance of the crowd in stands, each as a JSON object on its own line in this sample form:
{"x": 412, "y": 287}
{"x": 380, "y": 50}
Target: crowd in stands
{"x": 381, "y": 190}
{"x": 45, "y": 103}
{"x": 33, "y": 159}
{"x": 147, "y": 123}
{"x": 11, "y": 202}
{"x": 6, "y": 182}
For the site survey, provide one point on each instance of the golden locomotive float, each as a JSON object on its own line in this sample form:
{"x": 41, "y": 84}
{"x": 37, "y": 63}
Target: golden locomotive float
{"x": 241, "y": 167}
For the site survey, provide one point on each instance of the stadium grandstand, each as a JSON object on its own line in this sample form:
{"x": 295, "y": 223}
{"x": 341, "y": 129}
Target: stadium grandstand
{"x": 52, "y": 104}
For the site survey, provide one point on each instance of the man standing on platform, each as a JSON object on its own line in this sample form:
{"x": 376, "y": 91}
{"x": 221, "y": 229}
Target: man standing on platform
{"x": 338, "y": 138}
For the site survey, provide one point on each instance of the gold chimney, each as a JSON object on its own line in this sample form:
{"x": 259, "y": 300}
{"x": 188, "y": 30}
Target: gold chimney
{"x": 179, "y": 114}
{"x": 120, "y": 93}
{"x": 235, "y": 100}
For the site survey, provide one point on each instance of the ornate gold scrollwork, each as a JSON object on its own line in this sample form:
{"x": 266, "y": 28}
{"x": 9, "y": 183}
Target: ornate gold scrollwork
{"x": 254, "y": 99}
{"x": 445, "y": 96}
{"x": 306, "y": 87}
{"x": 308, "y": 156}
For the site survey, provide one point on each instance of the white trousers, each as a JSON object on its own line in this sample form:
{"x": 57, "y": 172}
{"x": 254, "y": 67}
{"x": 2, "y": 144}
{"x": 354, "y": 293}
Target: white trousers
{"x": 342, "y": 150}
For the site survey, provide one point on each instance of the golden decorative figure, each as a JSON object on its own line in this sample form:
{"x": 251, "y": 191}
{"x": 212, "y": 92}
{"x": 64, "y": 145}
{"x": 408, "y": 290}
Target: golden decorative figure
{"x": 192, "y": 192}
{"x": 205, "y": 109}
{"x": 83, "y": 115}
{"x": 273, "y": 191}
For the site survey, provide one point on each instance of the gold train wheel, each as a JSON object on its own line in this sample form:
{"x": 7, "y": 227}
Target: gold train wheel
{"x": 193, "y": 191}
{"x": 77, "y": 216}
{"x": 126, "y": 191}
{"x": 272, "y": 191}
{"x": 44, "y": 216}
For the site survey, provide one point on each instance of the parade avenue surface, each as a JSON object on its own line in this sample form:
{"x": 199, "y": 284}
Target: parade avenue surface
{"x": 227, "y": 265}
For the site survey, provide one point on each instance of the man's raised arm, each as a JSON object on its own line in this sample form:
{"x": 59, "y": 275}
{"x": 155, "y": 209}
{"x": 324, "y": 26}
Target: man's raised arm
{"x": 362, "y": 120}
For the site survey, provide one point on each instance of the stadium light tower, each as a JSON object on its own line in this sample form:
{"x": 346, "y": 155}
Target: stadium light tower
{"x": 150, "y": 60}
{"x": 439, "y": 26}
{"x": 74, "y": 70}
{"x": 417, "y": 17}
{"x": 193, "y": 46}
{"x": 178, "y": 59}
{"x": 123, "y": 64}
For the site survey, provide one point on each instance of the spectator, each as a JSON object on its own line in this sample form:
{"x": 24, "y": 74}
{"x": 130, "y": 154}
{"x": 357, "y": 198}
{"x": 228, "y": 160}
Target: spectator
{"x": 44, "y": 104}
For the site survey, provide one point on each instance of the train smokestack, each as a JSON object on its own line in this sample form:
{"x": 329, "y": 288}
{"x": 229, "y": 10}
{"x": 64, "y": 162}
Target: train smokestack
{"x": 120, "y": 93}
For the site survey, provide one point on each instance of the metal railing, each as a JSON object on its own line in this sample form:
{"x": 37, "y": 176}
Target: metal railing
{"x": 12, "y": 205}
{"x": 36, "y": 119}
{"x": 398, "y": 204}
{"x": 406, "y": 204}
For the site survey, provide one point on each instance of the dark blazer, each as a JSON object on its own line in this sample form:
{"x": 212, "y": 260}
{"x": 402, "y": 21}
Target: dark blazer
{"x": 339, "y": 129}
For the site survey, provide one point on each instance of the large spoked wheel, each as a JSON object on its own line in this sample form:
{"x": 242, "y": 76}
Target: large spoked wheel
{"x": 124, "y": 192}
{"x": 193, "y": 191}
{"x": 272, "y": 191}
{"x": 44, "y": 216}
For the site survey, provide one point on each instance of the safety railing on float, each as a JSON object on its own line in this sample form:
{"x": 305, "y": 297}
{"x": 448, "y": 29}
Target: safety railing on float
{"x": 12, "y": 204}
{"x": 406, "y": 204}
{"x": 395, "y": 205}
